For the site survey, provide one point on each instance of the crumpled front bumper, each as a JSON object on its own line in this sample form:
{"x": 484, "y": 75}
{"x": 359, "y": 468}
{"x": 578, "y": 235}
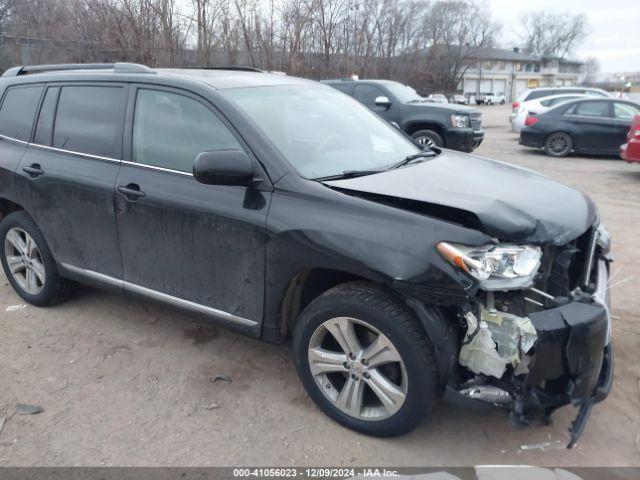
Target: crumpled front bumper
{"x": 573, "y": 359}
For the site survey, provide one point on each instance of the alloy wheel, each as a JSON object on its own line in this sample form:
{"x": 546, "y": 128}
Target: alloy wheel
{"x": 24, "y": 260}
{"x": 358, "y": 368}
{"x": 559, "y": 143}
{"x": 425, "y": 141}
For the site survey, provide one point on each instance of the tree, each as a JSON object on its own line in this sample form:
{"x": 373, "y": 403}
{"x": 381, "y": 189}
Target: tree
{"x": 590, "y": 71}
{"x": 552, "y": 34}
{"x": 457, "y": 28}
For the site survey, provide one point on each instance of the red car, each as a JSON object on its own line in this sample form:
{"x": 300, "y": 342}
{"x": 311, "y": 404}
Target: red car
{"x": 630, "y": 151}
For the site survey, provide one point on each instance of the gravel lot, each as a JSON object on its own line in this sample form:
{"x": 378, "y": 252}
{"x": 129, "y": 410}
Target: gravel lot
{"x": 126, "y": 382}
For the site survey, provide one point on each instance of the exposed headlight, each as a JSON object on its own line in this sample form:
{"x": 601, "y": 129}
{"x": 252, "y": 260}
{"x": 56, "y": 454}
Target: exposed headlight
{"x": 496, "y": 267}
{"x": 460, "y": 121}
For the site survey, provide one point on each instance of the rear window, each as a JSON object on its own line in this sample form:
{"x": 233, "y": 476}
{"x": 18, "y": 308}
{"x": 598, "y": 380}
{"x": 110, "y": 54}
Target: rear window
{"x": 19, "y": 110}
{"x": 538, "y": 94}
{"x": 89, "y": 120}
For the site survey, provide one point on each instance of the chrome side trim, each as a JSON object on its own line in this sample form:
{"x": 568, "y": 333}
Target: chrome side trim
{"x": 153, "y": 167}
{"x": 105, "y": 159}
{"x": 163, "y": 297}
{"x": 77, "y": 154}
{"x": 11, "y": 139}
{"x": 98, "y": 277}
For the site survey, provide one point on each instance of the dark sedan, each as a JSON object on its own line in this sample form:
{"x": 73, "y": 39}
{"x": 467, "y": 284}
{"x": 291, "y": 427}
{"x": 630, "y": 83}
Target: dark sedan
{"x": 592, "y": 126}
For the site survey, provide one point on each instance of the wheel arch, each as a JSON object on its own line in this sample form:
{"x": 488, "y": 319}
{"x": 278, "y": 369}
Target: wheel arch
{"x": 307, "y": 285}
{"x": 7, "y": 207}
{"x": 417, "y": 125}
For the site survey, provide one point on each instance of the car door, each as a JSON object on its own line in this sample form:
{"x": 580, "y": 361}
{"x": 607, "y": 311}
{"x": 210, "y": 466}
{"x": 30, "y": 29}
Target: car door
{"x": 594, "y": 126}
{"x": 67, "y": 175}
{"x": 193, "y": 245}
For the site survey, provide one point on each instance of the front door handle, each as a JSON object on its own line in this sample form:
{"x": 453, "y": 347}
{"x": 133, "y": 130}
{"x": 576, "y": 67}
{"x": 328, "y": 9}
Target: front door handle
{"x": 34, "y": 170}
{"x": 131, "y": 191}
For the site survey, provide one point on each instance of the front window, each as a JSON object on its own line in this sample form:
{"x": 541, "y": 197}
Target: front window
{"x": 403, "y": 93}
{"x": 322, "y": 132}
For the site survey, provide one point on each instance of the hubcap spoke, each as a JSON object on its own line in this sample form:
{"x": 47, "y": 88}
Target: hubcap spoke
{"x": 381, "y": 351}
{"x": 38, "y": 269}
{"x": 387, "y": 392}
{"x": 15, "y": 263}
{"x": 351, "y": 397}
{"x": 32, "y": 283}
{"x": 344, "y": 333}
{"x": 13, "y": 237}
{"x": 324, "y": 361}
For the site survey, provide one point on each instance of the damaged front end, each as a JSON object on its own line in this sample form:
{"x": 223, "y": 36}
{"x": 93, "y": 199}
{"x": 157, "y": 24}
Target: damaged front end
{"x": 543, "y": 344}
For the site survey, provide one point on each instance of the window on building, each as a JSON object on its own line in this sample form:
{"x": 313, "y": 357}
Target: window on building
{"x": 19, "y": 110}
{"x": 488, "y": 65}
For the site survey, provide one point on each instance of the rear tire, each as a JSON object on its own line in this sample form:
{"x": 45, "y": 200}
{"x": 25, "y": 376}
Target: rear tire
{"x": 427, "y": 138}
{"x": 28, "y": 262}
{"x": 558, "y": 144}
{"x": 405, "y": 369}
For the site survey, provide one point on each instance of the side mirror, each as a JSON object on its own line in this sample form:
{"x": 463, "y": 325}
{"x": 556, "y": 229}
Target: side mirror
{"x": 383, "y": 101}
{"x": 223, "y": 167}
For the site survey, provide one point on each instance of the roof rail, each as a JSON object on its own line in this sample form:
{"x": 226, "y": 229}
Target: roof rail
{"x": 65, "y": 67}
{"x": 238, "y": 68}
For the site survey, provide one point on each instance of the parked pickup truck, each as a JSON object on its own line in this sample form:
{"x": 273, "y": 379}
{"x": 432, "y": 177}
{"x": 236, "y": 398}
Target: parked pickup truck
{"x": 429, "y": 124}
{"x": 491, "y": 98}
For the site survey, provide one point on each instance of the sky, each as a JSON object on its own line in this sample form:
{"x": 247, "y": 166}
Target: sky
{"x": 615, "y": 28}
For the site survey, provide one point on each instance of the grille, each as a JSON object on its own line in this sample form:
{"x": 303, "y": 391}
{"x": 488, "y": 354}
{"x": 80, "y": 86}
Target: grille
{"x": 476, "y": 122}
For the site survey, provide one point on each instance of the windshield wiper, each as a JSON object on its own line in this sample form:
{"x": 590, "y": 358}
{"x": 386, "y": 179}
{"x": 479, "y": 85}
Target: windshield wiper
{"x": 349, "y": 174}
{"x": 414, "y": 157}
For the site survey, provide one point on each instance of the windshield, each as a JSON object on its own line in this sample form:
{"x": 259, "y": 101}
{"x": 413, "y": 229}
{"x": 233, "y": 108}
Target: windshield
{"x": 321, "y": 131}
{"x": 403, "y": 93}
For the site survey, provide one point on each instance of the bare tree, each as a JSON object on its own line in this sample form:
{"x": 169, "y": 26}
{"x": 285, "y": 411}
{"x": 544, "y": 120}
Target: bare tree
{"x": 590, "y": 71}
{"x": 457, "y": 28}
{"x": 552, "y": 34}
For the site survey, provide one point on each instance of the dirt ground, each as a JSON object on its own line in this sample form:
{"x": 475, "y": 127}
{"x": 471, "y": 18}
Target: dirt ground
{"x": 126, "y": 382}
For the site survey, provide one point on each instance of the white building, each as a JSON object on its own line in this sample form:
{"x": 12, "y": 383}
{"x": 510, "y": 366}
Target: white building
{"x": 512, "y": 71}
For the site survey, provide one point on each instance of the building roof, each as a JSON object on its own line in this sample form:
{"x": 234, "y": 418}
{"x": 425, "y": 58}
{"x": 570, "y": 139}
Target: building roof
{"x": 491, "y": 53}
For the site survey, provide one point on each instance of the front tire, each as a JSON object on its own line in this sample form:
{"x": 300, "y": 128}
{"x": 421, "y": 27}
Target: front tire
{"x": 28, "y": 262}
{"x": 427, "y": 139}
{"x": 364, "y": 360}
{"x": 558, "y": 144}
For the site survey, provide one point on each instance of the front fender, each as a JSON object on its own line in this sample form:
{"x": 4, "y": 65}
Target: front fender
{"x": 327, "y": 229}
{"x": 411, "y": 121}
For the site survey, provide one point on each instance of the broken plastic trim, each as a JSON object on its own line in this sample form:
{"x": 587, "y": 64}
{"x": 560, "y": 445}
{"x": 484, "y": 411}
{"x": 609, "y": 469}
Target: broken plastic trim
{"x": 494, "y": 342}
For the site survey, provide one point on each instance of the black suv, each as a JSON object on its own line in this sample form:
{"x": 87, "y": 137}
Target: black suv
{"x": 429, "y": 124}
{"x": 283, "y": 209}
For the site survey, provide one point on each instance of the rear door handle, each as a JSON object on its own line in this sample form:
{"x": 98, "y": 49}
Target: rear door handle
{"x": 131, "y": 191}
{"x": 34, "y": 170}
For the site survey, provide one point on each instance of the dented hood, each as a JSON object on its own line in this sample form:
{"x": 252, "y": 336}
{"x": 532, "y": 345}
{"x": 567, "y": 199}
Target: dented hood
{"x": 510, "y": 203}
